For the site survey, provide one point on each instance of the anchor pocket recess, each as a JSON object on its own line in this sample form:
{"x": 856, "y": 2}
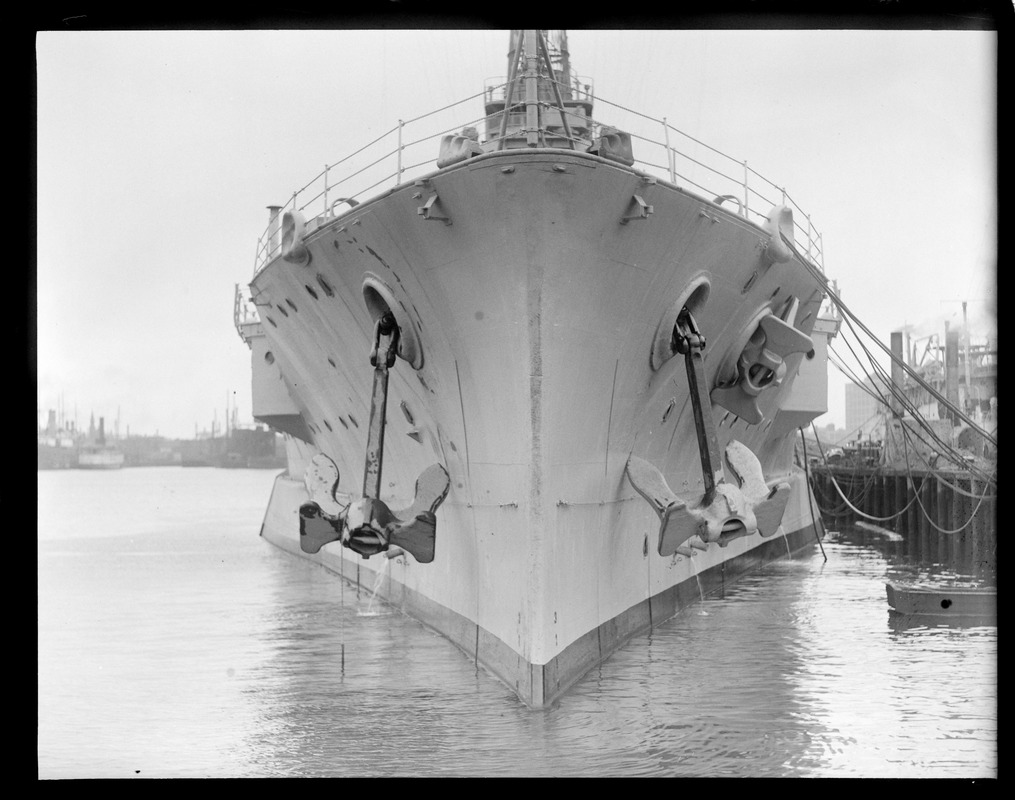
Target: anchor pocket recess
{"x": 693, "y": 298}
{"x": 757, "y": 360}
{"x": 380, "y": 299}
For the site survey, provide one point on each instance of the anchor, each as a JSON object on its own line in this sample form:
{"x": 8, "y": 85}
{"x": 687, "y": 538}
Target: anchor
{"x": 366, "y": 525}
{"x": 761, "y": 364}
{"x": 726, "y": 511}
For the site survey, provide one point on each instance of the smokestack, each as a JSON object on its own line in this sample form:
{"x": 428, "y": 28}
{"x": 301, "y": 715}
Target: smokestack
{"x": 952, "y": 369}
{"x": 897, "y": 373}
{"x": 102, "y": 430}
{"x": 966, "y": 358}
{"x": 274, "y": 223}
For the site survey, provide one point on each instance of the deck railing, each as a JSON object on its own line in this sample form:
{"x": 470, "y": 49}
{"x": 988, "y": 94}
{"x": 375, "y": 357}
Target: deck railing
{"x": 409, "y": 151}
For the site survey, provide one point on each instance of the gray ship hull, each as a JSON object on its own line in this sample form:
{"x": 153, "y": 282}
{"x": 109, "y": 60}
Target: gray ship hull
{"x": 536, "y": 291}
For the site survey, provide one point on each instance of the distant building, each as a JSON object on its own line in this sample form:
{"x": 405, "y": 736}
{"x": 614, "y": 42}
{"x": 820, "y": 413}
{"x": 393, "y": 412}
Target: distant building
{"x": 864, "y": 411}
{"x": 945, "y": 386}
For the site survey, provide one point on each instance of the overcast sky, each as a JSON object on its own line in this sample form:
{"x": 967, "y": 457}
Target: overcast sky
{"x": 159, "y": 151}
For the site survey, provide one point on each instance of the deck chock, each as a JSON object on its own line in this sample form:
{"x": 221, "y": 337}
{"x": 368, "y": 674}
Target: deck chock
{"x": 725, "y": 511}
{"x": 458, "y": 147}
{"x": 294, "y": 228}
{"x": 778, "y": 224}
{"x": 366, "y": 525}
{"x": 613, "y": 144}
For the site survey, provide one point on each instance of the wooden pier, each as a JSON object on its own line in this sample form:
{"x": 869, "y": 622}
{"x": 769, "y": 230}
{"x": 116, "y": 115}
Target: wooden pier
{"x": 947, "y": 517}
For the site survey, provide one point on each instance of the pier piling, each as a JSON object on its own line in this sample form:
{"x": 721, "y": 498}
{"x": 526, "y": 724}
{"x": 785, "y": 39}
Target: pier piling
{"x": 933, "y": 511}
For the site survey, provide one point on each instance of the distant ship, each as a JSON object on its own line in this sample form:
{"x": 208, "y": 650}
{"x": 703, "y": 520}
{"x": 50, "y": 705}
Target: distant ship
{"x": 251, "y": 448}
{"x": 94, "y": 456}
{"x": 99, "y": 454}
{"x": 56, "y": 445}
{"x": 543, "y": 392}
{"x": 238, "y": 448}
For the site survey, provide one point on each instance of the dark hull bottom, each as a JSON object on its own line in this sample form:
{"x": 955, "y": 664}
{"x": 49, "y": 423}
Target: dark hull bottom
{"x": 539, "y": 685}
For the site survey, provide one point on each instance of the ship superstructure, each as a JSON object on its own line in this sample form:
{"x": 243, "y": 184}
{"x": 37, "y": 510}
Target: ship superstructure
{"x": 542, "y": 390}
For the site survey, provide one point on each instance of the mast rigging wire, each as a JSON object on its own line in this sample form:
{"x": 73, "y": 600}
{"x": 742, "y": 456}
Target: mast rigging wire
{"x": 817, "y": 275}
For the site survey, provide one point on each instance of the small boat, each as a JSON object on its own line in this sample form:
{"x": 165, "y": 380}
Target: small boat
{"x": 940, "y": 601}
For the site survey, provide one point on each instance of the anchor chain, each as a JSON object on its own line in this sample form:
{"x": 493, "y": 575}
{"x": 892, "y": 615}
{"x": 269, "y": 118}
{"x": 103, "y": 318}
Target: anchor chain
{"x": 382, "y": 358}
{"x": 385, "y": 327}
{"x": 689, "y": 342}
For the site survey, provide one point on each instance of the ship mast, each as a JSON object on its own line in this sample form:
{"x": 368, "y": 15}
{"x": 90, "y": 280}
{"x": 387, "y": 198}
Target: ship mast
{"x": 539, "y": 106}
{"x": 531, "y": 90}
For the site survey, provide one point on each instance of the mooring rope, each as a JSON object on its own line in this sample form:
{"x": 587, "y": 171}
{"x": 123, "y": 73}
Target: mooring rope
{"x": 810, "y": 495}
{"x": 846, "y": 500}
{"x": 938, "y": 474}
{"x": 916, "y": 496}
{"x": 849, "y": 315}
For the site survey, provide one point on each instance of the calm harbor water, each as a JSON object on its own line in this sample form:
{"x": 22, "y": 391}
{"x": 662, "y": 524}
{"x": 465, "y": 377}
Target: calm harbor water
{"x": 174, "y": 642}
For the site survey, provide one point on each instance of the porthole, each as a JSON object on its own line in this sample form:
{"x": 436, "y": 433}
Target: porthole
{"x": 269, "y": 357}
{"x": 311, "y": 292}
